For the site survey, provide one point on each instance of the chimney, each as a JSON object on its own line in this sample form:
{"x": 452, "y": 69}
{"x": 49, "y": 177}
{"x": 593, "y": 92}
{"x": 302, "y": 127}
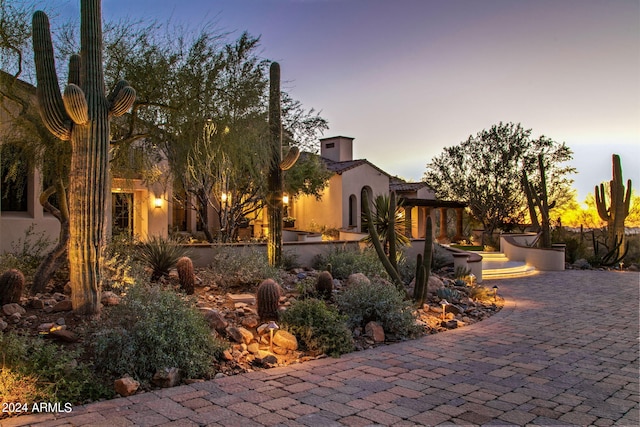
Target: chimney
{"x": 337, "y": 148}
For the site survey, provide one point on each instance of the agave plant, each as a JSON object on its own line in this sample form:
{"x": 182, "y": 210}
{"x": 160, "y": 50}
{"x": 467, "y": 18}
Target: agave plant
{"x": 160, "y": 254}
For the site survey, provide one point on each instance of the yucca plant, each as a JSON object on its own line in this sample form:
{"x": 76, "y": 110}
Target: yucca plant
{"x": 160, "y": 254}
{"x": 382, "y": 216}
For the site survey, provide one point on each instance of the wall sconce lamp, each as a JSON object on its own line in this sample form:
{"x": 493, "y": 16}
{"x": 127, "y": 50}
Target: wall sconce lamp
{"x": 285, "y": 199}
{"x": 225, "y": 197}
{"x": 157, "y": 202}
{"x": 444, "y": 303}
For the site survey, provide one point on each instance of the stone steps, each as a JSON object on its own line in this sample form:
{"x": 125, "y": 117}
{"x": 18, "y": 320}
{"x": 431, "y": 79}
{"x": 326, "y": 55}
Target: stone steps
{"x": 495, "y": 265}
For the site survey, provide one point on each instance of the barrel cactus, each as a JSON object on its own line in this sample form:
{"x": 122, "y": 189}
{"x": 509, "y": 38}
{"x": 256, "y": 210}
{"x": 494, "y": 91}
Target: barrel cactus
{"x": 324, "y": 285}
{"x": 268, "y": 300}
{"x": 82, "y": 116}
{"x": 11, "y": 286}
{"x": 186, "y": 275}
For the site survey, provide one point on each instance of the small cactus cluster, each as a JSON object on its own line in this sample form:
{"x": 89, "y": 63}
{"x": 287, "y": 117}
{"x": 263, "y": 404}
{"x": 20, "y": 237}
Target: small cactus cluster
{"x": 324, "y": 285}
{"x": 11, "y": 287}
{"x": 186, "y": 275}
{"x": 268, "y": 300}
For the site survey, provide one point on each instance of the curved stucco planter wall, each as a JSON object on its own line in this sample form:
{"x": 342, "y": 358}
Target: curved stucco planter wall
{"x": 515, "y": 247}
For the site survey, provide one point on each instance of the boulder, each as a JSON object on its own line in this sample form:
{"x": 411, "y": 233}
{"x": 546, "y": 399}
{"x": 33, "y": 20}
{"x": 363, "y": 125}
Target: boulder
{"x": 12, "y": 308}
{"x": 285, "y": 340}
{"x": 126, "y": 386}
{"x": 358, "y": 279}
{"x": 374, "y": 331}
{"x": 167, "y": 377}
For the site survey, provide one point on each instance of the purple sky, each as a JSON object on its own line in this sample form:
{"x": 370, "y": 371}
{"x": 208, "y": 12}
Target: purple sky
{"x": 406, "y": 78}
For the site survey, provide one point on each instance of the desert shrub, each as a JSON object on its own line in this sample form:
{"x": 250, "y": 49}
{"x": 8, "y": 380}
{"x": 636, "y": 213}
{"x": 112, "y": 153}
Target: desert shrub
{"x": 153, "y": 328}
{"x": 160, "y": 254}
{"x": 441, "y": 257}
{"x": 36, "y": 370}
{"x": 249, "y": 266}
{"x": 290, "y": 260}
{"x": 380, "y": 302}
{"x": 121, "y": 269}
{"x": 26, "y": 253}
{"x": 345, "y": 261}
{"x": 480, "y": 293}
{"x": 319, "y": 327}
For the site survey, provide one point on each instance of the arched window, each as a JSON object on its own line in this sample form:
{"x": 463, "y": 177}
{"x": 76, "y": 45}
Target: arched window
{"x": 353, "y": 211}
{"x": 363, "y": 227}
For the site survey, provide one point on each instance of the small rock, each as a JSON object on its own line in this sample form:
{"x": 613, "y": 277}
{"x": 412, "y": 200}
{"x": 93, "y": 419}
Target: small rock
{"x": 61, "y": 321}
{"x": 167, "y": 377}
{"x": 239, "y": 334}
{"x": 449, "y": 324}
{"x": 45, "y": 327}
{"x": 265, "y": 358}
{"x": 12, "y": 308}
{"x": 250, "y": 322}
{"x": 285, "y": 340}
{"x": 254, "y": 347}
{"x": 374, "y": 331}
{"x": 246, "y": 298}
{"x": 37, "y": 303}
{"x": 63, "y": 335}
{"x": 3, "y": 325}
{"x": 126, "y": 386}
{"x": 215, "y": 319}
{"x": 109, "y": 299}
{"x": 64, "y": 305}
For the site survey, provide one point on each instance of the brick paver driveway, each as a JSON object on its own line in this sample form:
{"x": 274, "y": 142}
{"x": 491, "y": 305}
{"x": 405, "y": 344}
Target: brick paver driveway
{"x": 563, "y": 351}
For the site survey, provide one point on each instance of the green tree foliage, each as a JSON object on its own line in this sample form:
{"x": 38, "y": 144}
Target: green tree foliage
{"x": 484, "y": 172}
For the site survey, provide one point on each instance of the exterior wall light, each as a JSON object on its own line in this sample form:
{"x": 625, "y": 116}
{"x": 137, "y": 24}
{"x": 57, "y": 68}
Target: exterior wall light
{"x": 157, "y": 202}
{"x": 285, "y": 199}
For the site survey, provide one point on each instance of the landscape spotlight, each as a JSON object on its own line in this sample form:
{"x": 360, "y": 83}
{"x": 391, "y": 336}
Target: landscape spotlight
{"x": 495, "y": 293}
{"x": 444, "y": 303}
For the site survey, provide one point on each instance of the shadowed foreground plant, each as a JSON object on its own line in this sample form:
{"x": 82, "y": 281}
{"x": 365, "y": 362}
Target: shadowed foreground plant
{"x": 152, "y": 329}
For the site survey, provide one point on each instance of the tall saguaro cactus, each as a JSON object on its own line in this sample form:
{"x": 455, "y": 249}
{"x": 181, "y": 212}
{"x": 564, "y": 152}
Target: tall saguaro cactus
{"x": 82, "y": 115}
{"x": 618, "y": 209}
{"x": 277, "y": 166}
{"x": 539, "y": 200}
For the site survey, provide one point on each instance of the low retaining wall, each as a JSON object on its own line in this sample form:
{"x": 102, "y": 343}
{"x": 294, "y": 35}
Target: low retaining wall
{"x": 515, "y": 247}
{"x": 203, "y": 253}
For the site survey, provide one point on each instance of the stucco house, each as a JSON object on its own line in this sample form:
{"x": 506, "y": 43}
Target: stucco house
{"x": 341, "y": 204}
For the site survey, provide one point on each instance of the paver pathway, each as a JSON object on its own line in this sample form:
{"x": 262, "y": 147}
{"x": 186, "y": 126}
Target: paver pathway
{"x": 563, "y": 351}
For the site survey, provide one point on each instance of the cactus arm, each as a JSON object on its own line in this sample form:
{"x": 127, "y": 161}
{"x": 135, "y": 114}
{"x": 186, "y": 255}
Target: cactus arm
{"x": 601, "y": 203}
{"x": 290, "y": 159}
{"x": 627, "y": 199}
{"x": 74, "y": 70}
{"x": 75, "y": 104}
{"x": 51, "y": 108}
{"x": 123, "y": 101}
